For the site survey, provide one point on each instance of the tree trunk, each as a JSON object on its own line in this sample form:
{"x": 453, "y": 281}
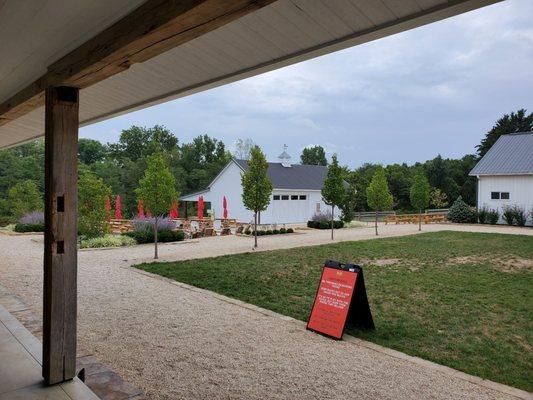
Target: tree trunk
{"x": 255, "y": 229}
{"x": 332, "y": 214}
{"x": 420, "y": 219}
{"x": 376, "y": 223}
{"x": 155, "y": 240}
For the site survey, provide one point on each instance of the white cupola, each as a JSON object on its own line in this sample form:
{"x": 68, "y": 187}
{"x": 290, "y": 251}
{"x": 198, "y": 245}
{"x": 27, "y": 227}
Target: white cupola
{"x": 285, "y": 158}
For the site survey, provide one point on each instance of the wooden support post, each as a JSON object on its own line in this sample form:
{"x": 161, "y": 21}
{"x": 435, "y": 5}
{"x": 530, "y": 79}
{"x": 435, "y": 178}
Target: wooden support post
{"x": 60, "y": 249}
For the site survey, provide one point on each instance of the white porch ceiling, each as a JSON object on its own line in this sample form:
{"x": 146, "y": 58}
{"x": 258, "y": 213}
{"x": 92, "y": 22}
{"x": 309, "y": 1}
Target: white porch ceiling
{"x": 33, "y": 34}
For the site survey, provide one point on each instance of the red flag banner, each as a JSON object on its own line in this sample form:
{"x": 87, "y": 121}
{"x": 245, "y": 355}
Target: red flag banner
{"x": 118, "y": 208}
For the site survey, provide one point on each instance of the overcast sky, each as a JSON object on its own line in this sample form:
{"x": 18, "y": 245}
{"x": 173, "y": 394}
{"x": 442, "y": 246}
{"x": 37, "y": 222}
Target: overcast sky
{"x": 404, "y": 98}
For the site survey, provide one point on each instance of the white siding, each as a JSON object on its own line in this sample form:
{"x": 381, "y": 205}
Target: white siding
{"x": 520, "y": 188}
{"x": 294, "y": 211}
{"x": 228, "y": 184}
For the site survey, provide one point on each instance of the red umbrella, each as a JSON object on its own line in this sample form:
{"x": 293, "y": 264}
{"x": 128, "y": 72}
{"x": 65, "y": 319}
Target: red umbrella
{"x": 225, "y": 205}
{"x": 118, "y": 211}
{"x": 200, "y": 207}
{"x": 140, "y": 211}
{"x": 107, "y": 208}
{"x": 174, "y": 211}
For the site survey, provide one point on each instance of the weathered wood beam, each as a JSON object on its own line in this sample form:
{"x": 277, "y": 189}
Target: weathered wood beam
{"x": 60, "y": 235}
{"x": 153, "y": 28}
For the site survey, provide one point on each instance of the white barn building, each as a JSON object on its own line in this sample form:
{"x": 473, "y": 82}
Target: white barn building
{"x": 295, "y": 197}
{"x": 505, "y": 174}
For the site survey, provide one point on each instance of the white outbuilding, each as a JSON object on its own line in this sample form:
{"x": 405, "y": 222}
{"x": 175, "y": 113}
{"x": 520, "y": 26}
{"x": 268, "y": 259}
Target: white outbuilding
{"x": 505, "y": 174}
{"x": 295, "y": 197}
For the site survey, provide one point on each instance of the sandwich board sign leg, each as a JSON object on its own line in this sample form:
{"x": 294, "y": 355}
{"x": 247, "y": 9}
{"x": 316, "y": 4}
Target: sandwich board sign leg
{"x": 340, "y": 300}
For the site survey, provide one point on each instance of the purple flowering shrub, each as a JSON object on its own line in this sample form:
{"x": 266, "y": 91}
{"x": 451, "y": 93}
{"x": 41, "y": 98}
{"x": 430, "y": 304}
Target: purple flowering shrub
{"x": 147, "y": 224}
{"x": 31, "y": 222}
{"x": 32, "y": 218}
{"x": 321, "y": 216}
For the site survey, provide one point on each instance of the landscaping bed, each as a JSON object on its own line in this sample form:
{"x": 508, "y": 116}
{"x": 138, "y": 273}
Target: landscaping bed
{"x": 460, "y": 299}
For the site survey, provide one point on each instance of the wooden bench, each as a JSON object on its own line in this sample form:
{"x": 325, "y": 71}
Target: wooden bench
{"x": 391, "y": 218}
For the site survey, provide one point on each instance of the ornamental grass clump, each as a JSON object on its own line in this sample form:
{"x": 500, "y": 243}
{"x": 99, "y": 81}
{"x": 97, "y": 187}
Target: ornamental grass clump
{"x": 508, "y": 215}
{"x": 520, "y": 216}
{"x": 515, "y": 215}
{"x": 108, "y": 241}
{"x": 482, "y": 215}
{"x": 493, "y": 216}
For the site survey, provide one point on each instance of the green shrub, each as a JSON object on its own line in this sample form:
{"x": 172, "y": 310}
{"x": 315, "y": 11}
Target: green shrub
{"x": 275, "y": 231}
{"x": 520, "y": 216}
{"x": 290, "y": 230}
{"x": 147, "y": 236}
{"x": 508, "y": 215}
{"x": 514, "y": 215}
{"x": 325, "y": 224}
{"x": 460, "y": 212}
{"x": 108, "y": 241}
{"x": 24, "y": 197}
{"x": 482, "y": 215}
{"x": 283, "y": 230}
{"x": 92, "y": 192}
{"x": 493, "y": 216}
{"x": 247, "y": 231}
{"x": 269, "y": 232}
{"x": 5, "y": 220}
{"x": 29, "y": 227}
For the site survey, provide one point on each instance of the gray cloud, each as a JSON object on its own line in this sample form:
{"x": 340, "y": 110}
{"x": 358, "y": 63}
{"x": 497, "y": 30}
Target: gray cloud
{"x": 405, "y": 98}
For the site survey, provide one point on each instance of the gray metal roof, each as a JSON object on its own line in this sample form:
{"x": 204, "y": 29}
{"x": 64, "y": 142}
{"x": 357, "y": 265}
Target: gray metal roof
{"x": 511, "y": 155}
{"x": 303, "y": 177}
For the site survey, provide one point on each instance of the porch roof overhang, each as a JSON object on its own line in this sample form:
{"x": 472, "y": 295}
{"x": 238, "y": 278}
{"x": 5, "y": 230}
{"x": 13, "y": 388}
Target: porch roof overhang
{"x": 125, "y": 55}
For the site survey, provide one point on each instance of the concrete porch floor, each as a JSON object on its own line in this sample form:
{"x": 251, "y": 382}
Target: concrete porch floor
{"x": 20, "y": 367}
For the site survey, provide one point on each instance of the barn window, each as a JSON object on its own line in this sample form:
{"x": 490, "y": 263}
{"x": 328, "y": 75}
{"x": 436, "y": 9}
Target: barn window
{"x": 276, "y": 197}
{"x": 303, "y": 197}
{"x": 294, "y": 197}
{"x": 285, "y": 197}
{"x": 317, "y": 207}
{"x": 495, "y": 195}
{"x": 504, "y": 195}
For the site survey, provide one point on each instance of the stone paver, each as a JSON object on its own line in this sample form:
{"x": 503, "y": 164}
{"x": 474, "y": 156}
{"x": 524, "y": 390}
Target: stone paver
{"x": 177, "y": 342}
{"x": 20, "y": 368}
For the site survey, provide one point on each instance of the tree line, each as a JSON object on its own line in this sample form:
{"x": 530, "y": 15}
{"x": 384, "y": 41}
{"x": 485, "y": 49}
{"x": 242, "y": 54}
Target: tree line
{"x": 447, "y": 178}
{"x": 120, "y": 166}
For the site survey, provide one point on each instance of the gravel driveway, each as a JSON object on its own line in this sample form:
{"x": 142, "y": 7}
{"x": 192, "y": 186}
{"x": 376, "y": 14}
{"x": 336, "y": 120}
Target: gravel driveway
{"x": 177, "y": 342}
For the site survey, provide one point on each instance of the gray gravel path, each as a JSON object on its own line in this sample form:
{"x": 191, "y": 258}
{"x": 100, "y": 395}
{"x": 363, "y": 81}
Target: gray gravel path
{"x": 177, "y": 342}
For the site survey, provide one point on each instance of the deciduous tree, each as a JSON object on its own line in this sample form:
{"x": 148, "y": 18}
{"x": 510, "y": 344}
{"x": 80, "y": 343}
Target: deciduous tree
{"x": 437, "y": 198}
{"x": 333, "y": 192}
{"x": 419, "y": 195}
{"x": 157, "y": 189}
{"x": 515, "y": 122}
{"x": 314, "y": 155}
{"x": 256, "y": 186}
{"x": 377, "y": 193}
{"x": 24, "y": 197}
{"x": 243, "y": 148}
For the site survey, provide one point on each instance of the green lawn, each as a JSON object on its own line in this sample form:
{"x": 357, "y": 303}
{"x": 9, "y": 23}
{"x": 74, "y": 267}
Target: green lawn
{"x": 460, "y": 299}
